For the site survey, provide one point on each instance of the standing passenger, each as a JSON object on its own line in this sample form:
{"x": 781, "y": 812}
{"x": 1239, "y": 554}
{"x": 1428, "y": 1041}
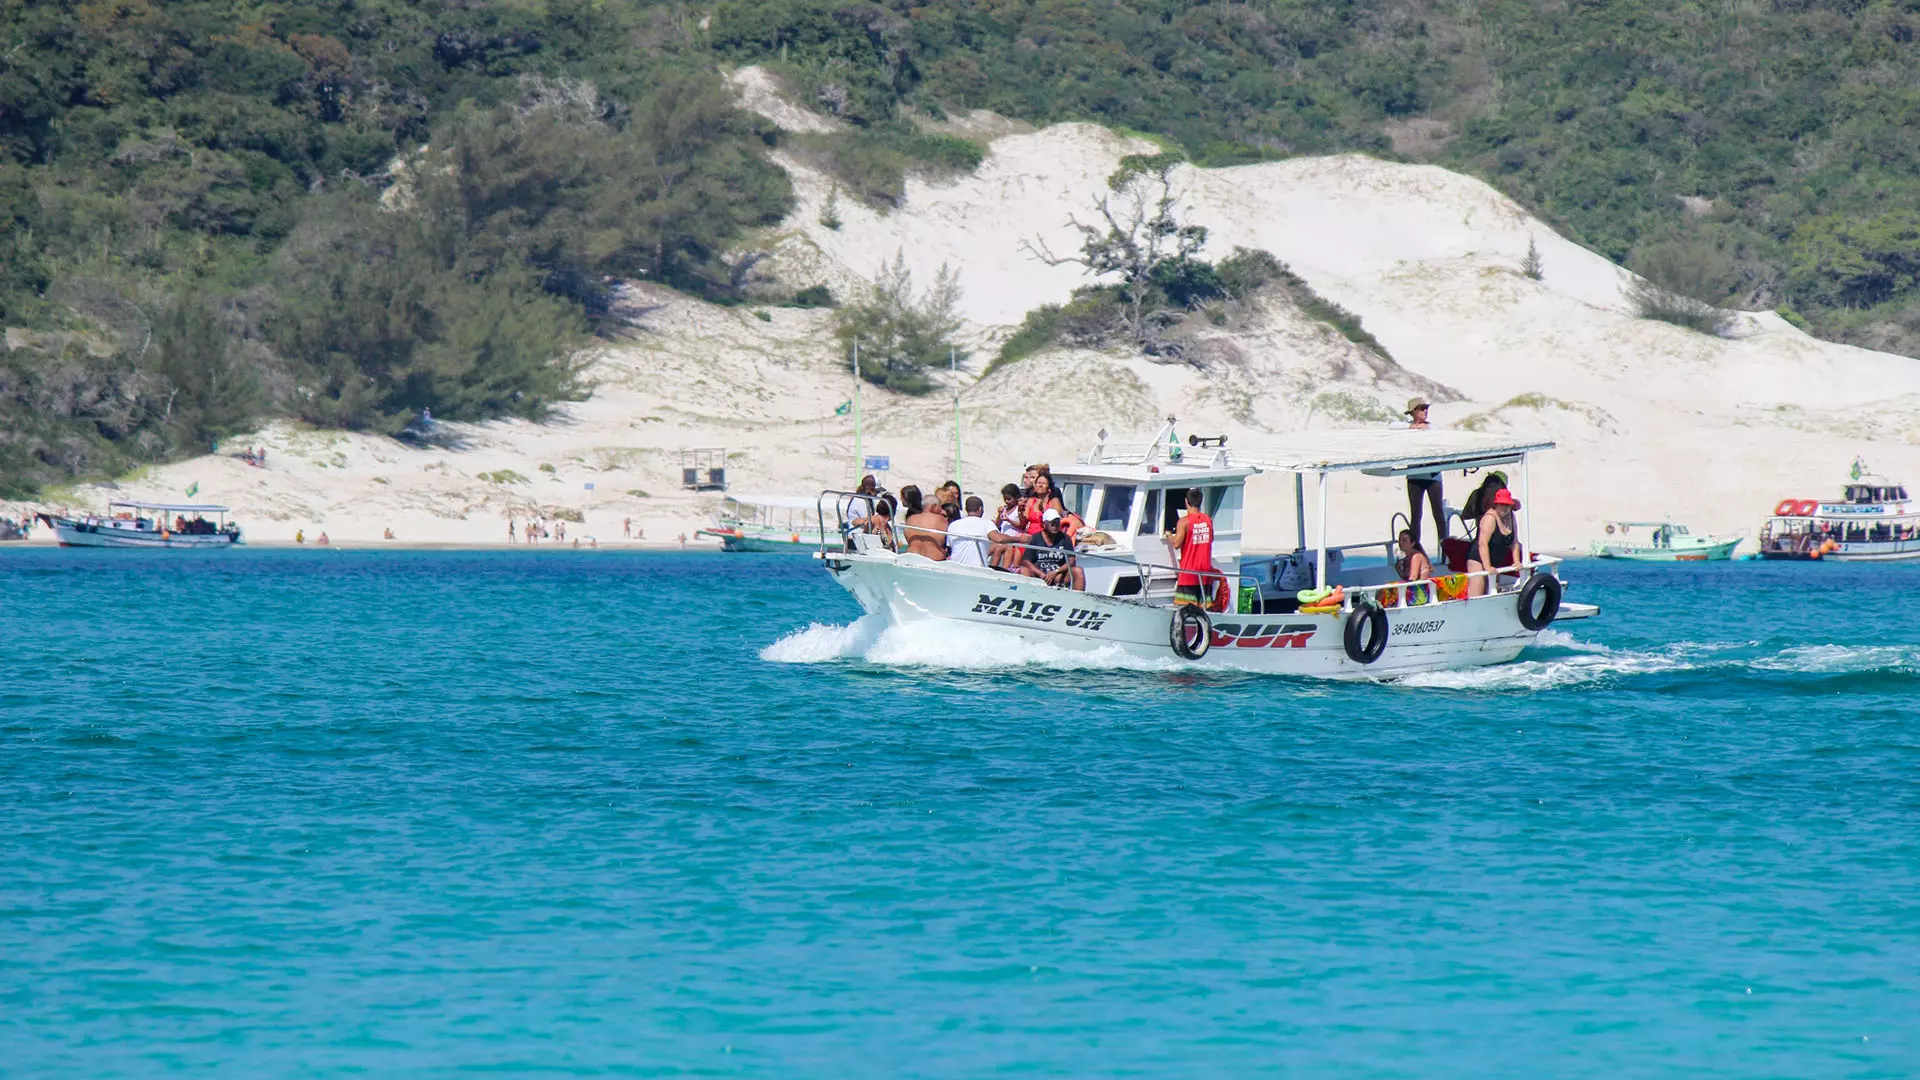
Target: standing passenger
{"x": 1192, "y": 540}
{"x": 1424, "y": 486}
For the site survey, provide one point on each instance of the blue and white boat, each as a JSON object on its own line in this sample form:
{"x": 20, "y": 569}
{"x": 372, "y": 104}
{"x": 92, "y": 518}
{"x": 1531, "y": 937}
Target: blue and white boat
{"x": 147, "y": 525}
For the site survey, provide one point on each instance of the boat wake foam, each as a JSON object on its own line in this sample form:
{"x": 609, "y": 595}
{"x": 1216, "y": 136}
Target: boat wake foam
{"x": 1556, "y": 661}
{"x": 963, "y": 646}
{"x": 1569, "y": 663}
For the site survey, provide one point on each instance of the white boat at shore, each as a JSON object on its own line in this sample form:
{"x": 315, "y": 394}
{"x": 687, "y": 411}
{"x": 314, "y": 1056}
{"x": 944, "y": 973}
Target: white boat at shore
{"x": 768, "y": 523}
{"x": 1661, "y": 541}
{"x": 1874, "y": 520}
{"x": 1130, "y": 495}
{"x": 147, "y": 525}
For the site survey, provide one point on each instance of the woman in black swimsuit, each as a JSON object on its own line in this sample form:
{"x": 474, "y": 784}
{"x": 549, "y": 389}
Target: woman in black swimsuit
{"x": 1497, "y": 540}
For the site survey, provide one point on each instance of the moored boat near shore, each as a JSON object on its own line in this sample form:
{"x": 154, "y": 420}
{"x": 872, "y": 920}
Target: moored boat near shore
{"x": 1661, "y": 541}
{"x": 147, "y": 525}
{"x": 1873, "y": 521}
{"x": 1310, "y": 612}
{"x": 767, "y": 523}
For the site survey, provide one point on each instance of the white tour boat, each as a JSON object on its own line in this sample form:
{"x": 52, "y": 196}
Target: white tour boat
{"x": 1874, "y": 520}
{"x": 147, "y": 525}
{"x": 768, "y": 523}
{"x": 1130, "y": 495}
{"x": 1661, "y": 541}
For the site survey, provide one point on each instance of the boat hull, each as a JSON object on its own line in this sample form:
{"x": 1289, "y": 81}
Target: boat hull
{"x": 1702, "y": 553}
{"x": 1880, "y": 551}
{"x": 746, "y": 540}
{"x": 1443, "y": 637}
{"x": 82, "y": 534}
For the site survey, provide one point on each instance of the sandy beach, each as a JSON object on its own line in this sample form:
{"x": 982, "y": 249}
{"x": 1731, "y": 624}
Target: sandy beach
{"x": 1652, "y": 420}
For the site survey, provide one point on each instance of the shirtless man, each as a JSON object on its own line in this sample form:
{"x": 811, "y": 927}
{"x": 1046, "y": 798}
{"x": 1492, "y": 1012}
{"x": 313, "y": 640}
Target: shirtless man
{"x": 926, "y": 526}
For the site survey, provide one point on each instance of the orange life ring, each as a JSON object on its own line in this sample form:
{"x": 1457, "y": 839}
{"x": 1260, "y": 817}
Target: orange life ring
{"x": 1787, "y": 508}
{"x": 1806, "y": 509}
{"x": 1609, "y": 530}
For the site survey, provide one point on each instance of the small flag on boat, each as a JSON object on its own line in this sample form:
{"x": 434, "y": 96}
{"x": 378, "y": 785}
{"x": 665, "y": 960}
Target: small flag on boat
{"x": 843, "y": 408}
{"x": 193, "y": 489}
{"x": 1856, "y": 469}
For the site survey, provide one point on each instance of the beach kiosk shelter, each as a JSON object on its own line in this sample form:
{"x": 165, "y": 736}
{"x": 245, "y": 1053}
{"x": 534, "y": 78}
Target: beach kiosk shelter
{"x": 704, "y": 468}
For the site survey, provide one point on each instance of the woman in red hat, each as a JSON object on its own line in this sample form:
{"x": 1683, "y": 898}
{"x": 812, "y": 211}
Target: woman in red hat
{"x": 1499, "y": 540}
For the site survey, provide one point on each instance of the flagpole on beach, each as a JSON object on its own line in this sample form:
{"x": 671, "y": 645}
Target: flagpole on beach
{"x": 959, "y": 471}
{"x": 858, "y": 461}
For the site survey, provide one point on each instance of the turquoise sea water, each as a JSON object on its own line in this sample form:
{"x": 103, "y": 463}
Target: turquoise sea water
{"x": 328, "y": 813}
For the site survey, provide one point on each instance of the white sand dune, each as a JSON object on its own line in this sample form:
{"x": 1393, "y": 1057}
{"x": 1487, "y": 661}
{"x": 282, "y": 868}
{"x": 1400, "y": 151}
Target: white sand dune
{"x": 1652, "y": 420}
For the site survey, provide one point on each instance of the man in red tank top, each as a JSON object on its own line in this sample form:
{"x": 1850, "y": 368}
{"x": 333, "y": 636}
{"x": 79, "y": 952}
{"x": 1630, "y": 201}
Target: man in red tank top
{"x": 1193, "y": 540}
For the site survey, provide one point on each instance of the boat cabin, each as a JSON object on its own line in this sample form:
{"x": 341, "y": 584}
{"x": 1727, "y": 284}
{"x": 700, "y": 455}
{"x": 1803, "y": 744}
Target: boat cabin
{"x": 1130, "y": 494}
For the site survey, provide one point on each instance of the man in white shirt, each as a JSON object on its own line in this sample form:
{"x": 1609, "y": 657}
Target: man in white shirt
{"x": 968, "y": 538}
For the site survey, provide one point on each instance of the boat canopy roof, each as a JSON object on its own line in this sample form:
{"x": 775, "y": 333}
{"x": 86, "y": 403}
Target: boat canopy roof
{"x": 178, "y": 508}
{"x": 1387, "y": 452}
{"x": 777, "y": 502}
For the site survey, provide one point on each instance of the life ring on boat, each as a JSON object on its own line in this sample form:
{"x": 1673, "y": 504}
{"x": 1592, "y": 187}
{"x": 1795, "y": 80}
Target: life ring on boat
{"x": 1538, "y": 585}
{"x": 1191, "y": 632}
{"x": 1787, "y": 508}
{"x": 1366, "y": 634}
{"x": 1806, "y": 509}
{"x": 1609, "y": 530}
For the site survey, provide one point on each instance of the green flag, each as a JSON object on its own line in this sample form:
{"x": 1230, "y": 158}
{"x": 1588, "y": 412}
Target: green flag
{"x": 193, "y": 489}
{"x": 843, "y": 408}
{"x": 1856, "y": 469}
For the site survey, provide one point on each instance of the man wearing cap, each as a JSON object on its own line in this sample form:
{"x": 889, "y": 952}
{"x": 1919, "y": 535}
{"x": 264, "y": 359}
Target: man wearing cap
{"x": 1425, "y": 485}
{"x": 1050, "y": 554}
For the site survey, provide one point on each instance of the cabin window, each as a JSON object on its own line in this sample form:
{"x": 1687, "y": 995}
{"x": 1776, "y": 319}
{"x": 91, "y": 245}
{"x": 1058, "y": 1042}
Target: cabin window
{"x": 1173, "y": 502}
{"x": 1116, "y": 508}
{"x": 1151, "y": 515}
{"x": 1074, "y": 496}
{"x": 1223, "y": 506}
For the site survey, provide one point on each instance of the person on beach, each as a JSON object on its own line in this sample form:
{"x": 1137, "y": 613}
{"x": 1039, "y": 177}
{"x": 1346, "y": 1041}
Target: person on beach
{"x": 1497, "y": 542}
{"x": 1424, "y": 486}
{"x": 626, "y": 528}
{"x": 299, "y": 536}
{"x": 926, "y": 528}
{"x": 512, "y": 532}
{"x": 1192, "y": 542}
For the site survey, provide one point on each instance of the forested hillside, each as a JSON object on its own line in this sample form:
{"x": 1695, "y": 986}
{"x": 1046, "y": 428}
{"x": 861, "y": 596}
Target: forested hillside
{"x": 346, "y": 211}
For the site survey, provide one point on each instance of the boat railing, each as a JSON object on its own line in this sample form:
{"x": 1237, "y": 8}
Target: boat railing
{"x": 1394, "y": 595}
{"x": 864, "y": 541}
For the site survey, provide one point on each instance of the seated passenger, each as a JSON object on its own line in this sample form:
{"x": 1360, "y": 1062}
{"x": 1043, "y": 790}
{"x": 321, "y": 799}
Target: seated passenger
{"x": 926, "y": 527}
{"x": 1007, "y": 522}
{"x": 970, "y": 539}
{"x": 1413, "y": 565}
{"x": 1050, "y": 555}
{"x": 880, "y": 523}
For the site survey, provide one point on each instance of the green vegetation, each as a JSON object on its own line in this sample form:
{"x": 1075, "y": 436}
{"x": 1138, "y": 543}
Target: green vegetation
{"x": 901, "y": 333}
{"x": 503, "y": 476}
{"x": 212, "y": 211}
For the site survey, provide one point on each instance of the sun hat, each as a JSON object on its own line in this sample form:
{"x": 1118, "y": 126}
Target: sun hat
{"x": 1416, "y": 403}
{"x": 1503, "y": 497}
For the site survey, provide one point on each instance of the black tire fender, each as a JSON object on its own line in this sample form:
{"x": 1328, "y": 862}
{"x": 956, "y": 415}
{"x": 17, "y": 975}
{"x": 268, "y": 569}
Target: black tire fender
{"x": 1370, "y": 622}
{"x": 1190, "y": 631}
{"x": 1536, "y": 585}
